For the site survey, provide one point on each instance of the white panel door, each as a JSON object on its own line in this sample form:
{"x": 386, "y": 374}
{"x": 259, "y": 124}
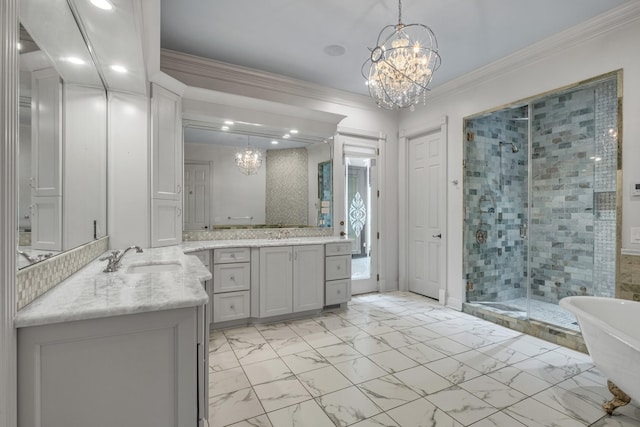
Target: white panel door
{"x": 276, "y": 280}
{"x": 197, "y": 190}
{"x": 308, "y": 277}
{"x": 426, "y": 212}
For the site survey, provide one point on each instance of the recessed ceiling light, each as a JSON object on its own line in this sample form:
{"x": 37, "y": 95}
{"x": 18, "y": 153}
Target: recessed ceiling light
{"x": 102, "y": 4}
{"x": 119, "y": 69}
{"x": 225, "y": 128}
{"x": 293, "y": 131}
{"x": 229, "y": 122}
{"x": 74, "y": 60}
{"x": 274, "y": 142}
{"x": 286, "y": 136}
{"x": 334, "y": 50}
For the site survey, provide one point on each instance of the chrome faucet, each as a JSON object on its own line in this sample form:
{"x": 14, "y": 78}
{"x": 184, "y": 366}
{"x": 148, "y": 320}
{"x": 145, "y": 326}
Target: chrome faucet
{"x": 34, "y": 259}
{"x": 116, "y": 257}
{"x": 27, "y": 256}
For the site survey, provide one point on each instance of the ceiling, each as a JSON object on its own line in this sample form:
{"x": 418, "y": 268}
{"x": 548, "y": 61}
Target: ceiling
{"x": 289, "y": 37}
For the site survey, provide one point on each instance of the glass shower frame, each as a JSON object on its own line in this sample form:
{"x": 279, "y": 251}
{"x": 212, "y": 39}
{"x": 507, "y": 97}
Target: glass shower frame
{"x": 530, "y": 310}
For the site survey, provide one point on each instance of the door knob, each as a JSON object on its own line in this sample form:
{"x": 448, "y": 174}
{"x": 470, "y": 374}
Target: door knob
{"x": 437, "y": 236}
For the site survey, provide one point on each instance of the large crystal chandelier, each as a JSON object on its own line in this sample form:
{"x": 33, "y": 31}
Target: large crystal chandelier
{"x": 401, "y": 65}
{"x": 249, "y": 160}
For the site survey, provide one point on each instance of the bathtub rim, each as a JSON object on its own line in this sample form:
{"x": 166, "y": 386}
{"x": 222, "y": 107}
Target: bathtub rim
{"x": 569, "y": 304}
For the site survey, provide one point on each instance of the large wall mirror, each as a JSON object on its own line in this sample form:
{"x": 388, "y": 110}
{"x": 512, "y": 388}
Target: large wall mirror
{"x": 63, "y": 135}
{"x": 250, "y": 179}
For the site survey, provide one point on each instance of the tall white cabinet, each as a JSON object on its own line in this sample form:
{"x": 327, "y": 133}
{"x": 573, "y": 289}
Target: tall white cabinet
{"x": 68, "y": 172}
{"x": 166, "y": 167}
{"x": 46, "y": 160}
{"x": 291, "y": 279}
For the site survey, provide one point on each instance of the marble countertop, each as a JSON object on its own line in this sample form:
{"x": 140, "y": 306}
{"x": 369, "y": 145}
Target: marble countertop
{"x": 91, "y": 294}
{"x": 200, "y": 245}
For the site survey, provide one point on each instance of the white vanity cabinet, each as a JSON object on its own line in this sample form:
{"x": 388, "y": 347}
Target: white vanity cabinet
{"x": 338, "y": 273}
{"x": 231, "y": 284}
{"x": 291, "y": 279}
{"x": 130, "y": 370}
{"x": 166, "y": 167}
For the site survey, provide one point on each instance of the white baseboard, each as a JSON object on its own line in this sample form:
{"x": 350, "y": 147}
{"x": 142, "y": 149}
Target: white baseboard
{"x": 454, "y": 303}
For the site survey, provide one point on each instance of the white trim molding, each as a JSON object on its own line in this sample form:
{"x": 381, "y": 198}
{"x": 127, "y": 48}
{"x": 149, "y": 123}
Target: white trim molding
{"x": 8, "y": 160}
{"x": 222, "y": 77}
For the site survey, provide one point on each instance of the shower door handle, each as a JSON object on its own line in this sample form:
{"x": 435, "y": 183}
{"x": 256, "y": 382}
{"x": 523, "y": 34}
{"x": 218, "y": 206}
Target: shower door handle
{"x": 437, "y": 236}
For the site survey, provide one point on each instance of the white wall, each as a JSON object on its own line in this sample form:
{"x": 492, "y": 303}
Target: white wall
{"x": 233, "y": 194}
{"x": 608, "y": 43}
{"x": 128, "y": 170}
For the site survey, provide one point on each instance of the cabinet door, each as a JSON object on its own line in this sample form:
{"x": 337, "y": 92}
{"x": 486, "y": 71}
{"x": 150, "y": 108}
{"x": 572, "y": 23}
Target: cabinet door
{"x": 46, "y": 133}
{"x": 166, "y": 222}
{"x": 46, "y": 223}
{"x": 276, "y": 281}
{"x": 166, "y": 147}
{"x": 308, "y": 277}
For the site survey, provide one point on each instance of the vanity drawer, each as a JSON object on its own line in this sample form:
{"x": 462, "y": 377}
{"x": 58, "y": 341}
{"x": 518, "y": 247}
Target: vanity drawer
{"x": 231, "y": 277}
{"x": 338, "y": 248}
{"x": 337, "y": 292}
{"x": 227, "y": 255}
{"x": 337, "y": 267}
{"x": 231, "y": 306}
{"x": 204, "y": 257}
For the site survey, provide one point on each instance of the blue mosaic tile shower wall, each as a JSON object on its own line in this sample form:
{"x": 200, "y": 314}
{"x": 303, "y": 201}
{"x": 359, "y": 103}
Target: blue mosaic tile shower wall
{"x": 573, "y": 212}
{"x": 496, "y": 206}
{"x": 572, "y": 229}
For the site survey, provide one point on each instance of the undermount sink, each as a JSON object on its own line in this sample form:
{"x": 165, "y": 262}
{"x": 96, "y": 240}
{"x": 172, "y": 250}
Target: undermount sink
{"x": 155, "y": 267}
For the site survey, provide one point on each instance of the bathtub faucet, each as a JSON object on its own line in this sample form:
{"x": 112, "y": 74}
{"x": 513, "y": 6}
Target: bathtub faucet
{"x": 116, "y": 257}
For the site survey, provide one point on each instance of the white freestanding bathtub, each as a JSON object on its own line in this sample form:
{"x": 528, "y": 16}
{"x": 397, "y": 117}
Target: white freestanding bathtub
{"x": 611, "y": 330}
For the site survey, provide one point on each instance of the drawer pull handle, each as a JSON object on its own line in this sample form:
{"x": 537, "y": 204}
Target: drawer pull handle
{"x": 232, "y": 278}
{"x": 232, "y": 307}
{"x": 339, "y": 291}
{"x": 338, "y": 267}
{"x": 233, "y": 255}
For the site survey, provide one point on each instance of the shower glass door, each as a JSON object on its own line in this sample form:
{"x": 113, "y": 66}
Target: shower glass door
{"x": 540, "y": 203}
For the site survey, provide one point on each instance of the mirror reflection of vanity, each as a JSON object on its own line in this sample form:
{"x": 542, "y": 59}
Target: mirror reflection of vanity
{"x": 290, "y": 189}
{"x": 63, "y": 136}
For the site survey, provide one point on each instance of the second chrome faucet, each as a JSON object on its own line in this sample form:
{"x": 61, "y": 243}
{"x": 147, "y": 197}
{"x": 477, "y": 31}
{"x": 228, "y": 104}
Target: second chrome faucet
{"x": 116, "y": 257}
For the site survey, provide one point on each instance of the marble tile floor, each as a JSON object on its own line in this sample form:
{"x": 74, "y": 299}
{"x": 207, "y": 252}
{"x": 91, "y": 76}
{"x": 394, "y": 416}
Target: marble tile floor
{"x": 401, "y": 360}
{"x": 540, "y": 310}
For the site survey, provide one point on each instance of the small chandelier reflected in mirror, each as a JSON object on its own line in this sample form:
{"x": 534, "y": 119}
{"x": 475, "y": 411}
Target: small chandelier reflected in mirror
{"x": 400, "y": 67}
{"x": 249, "y": 159}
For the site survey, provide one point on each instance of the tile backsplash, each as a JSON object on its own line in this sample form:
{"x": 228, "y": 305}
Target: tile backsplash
{"x": 255, "y": 233}
{"x": 37, "y": 279}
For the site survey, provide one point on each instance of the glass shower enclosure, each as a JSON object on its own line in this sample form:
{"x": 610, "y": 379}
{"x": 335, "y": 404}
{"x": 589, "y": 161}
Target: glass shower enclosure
{"x": 540, "y": 202}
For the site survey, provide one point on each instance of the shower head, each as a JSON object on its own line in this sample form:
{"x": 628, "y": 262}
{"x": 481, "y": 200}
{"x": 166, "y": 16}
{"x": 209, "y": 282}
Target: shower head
{"x": 514, "y": 147}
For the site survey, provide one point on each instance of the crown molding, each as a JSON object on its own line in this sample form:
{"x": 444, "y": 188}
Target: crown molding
{"x": 611, "y": 20}
{"x": 224, "y": 77}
